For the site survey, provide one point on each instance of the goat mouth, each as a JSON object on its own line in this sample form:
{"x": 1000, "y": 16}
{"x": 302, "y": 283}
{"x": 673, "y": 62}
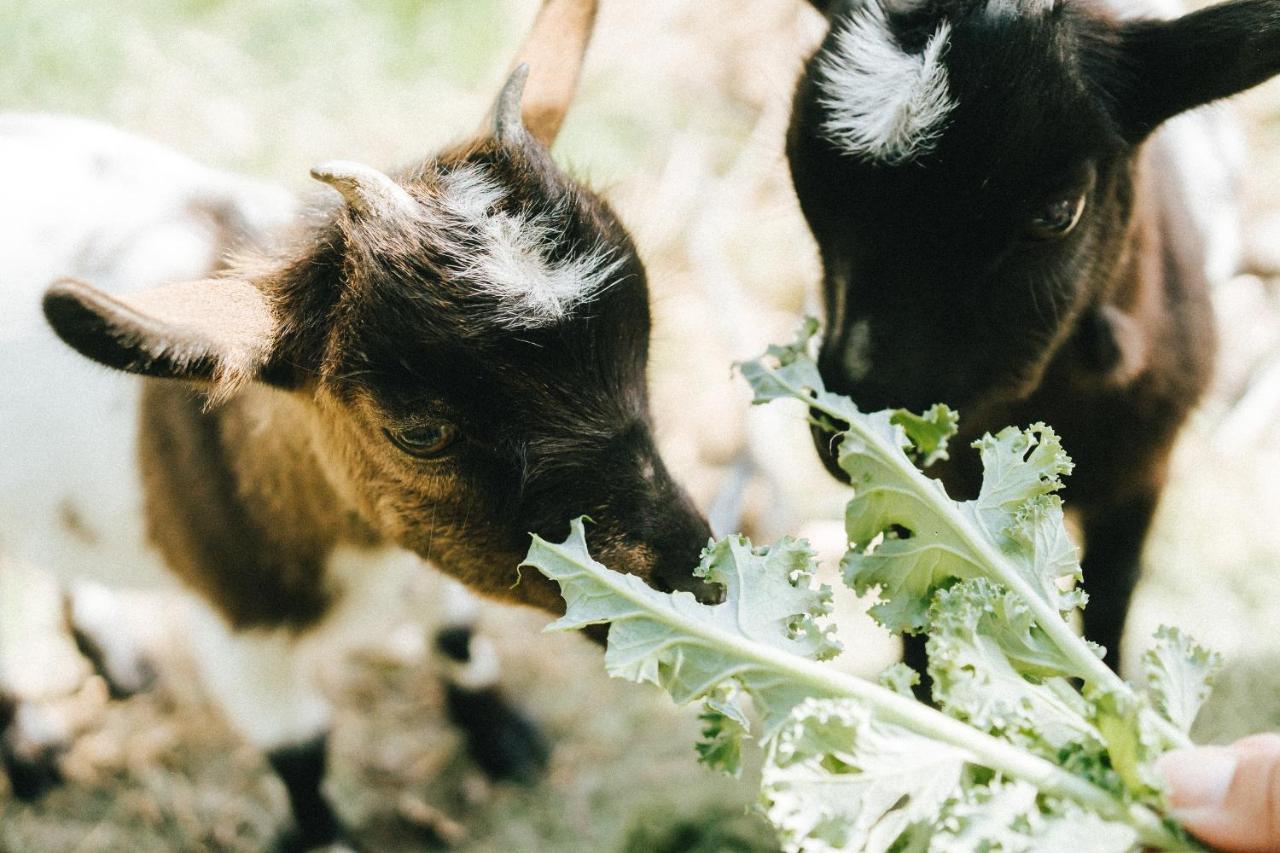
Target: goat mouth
{"x": 703, "y": 591}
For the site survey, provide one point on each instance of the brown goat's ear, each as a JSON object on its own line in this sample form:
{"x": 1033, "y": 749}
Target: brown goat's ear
{"x": 1173, "y": 66}
{"x": 219, "y": 330}
{"x": 554, "y": 51}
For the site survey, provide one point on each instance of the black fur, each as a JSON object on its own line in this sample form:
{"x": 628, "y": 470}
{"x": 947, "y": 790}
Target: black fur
{"x": 30, "y": 777}
{"x": 1106, "y": 333}
{"x": 502, "y": 741}
{"x": 454, "y": 642}
{"x": 302, "y": 768}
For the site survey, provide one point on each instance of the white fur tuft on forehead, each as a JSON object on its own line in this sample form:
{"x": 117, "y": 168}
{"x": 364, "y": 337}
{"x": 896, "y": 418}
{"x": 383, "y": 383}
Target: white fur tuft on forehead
{"x": 883, "y": 103}
{"x": 507, "y": 255}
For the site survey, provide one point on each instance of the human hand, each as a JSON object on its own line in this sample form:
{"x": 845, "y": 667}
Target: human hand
{"x": 1228, "y": 796}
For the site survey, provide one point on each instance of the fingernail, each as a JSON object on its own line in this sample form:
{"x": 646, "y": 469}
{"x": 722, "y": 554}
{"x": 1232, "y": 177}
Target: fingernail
{"x": 1198, "y": 778}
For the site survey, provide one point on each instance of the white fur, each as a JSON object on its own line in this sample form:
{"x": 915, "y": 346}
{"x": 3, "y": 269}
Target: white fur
{"x": 273, "y": 685}
{"x": 481, "y": 670}
{"x": 86, "y": 200}
{"x": 82, "y": 199}
{"x": 38, "y": 660}
{"x": 857, "y": 351}
{"x": 98, "y": 612}
{"x": 459, "y": 606}
{"x": 506, "y": 258}
{"x": 883, "y": 103}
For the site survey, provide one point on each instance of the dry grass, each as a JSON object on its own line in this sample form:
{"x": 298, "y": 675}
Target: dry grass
{"x": 681, "y": 119}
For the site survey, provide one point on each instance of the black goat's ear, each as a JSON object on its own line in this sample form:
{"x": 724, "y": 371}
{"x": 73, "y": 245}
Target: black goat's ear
{"x": 217, "y": 330}
{"x": 1173, "y": 66}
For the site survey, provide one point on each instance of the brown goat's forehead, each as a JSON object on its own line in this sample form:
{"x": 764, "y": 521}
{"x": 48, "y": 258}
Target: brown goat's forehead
{"x": 501, "y": 235}
{"x": 510, "y": 275}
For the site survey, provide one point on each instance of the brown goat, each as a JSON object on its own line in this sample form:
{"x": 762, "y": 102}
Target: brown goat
{"x": 449, "y": 360}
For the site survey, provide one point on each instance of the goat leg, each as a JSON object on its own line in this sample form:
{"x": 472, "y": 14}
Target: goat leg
{"x": 1113, "y": 538}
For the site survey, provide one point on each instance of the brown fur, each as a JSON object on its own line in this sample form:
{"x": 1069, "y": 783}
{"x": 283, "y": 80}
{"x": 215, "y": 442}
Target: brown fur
{"x": 247, "y": 531}
{"x": 216, "y": 329}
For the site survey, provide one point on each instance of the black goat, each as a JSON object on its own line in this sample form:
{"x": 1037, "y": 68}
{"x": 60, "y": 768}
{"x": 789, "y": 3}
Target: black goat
{"x": 1002, "y": 229}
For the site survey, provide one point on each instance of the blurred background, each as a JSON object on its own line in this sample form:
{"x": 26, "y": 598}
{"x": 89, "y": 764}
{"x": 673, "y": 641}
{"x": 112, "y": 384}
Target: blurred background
{"x": 680, "y": 122}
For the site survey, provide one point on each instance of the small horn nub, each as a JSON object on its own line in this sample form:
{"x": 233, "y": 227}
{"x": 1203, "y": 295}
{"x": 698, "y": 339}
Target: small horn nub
{"x": 368, "y": 192}
{"x": 508, "y": 122}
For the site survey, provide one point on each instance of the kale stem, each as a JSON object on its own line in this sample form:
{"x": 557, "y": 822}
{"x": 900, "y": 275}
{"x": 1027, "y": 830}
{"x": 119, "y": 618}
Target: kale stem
{"x": 986, "y": 555}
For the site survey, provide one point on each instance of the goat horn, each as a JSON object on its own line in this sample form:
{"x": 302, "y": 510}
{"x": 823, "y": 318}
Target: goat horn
{"x": 367, "y": 191}
{"x": 508, "y": 122}
{"x": 555, "y": 48}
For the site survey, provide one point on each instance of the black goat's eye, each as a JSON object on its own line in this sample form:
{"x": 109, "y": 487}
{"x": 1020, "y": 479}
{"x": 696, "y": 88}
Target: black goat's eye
{"x": 1056, "y": 219}
{"x": 425, "y": 441}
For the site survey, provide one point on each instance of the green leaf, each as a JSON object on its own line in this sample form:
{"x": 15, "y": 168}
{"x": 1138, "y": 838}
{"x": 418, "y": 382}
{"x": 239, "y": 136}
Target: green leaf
{"x": 1084, "y": 832}
{"x": 908, "y": 539}
{"x": 1021, "y": 759}
{"x": 1017, "y": 508}
{"x": 907, "y": 548}
{"x": 725, "y": 727}
{"x": 929, "y": 432}
{"x": 982, "y": 646}
{"x": 791, "y": 368}
{"x": 900, "y": 545}
{"x": 875, "y": 769}
{"x": 689, "y": 648}
{"x": 773, "y": 588}
{"x": 1134, "y": 742}
{"x": 989, "y": 817}
{"x": 981, "y": 606}
{"x": 1011, "y": 816}
{"x": 837, "y": 779}
{"x": 1179, "y": 675}
{"x": 901, "y": 679}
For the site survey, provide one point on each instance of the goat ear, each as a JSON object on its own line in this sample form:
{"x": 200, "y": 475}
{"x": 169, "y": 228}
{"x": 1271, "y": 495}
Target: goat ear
{"x": 1172, "y": 66}
{"x": 219, "y": 330}
{"x": 554, "y": 50}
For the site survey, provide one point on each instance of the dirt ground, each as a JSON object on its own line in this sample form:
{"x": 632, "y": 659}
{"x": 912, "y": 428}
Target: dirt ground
{"x": 681, "y": 121}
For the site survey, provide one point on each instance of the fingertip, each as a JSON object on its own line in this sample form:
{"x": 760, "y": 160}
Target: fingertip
{"x": 1198, "y": 778}
{"x": 1228, "y": 796}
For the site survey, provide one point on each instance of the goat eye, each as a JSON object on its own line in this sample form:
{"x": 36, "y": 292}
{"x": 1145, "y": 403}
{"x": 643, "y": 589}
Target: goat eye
{"x": 1056, "y": 219}
{"x": 426, "y": 441}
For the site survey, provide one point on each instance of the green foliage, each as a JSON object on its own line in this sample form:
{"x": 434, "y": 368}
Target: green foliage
{"x": 1014, "y": 757}
{"x": 1179, "y": 675}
